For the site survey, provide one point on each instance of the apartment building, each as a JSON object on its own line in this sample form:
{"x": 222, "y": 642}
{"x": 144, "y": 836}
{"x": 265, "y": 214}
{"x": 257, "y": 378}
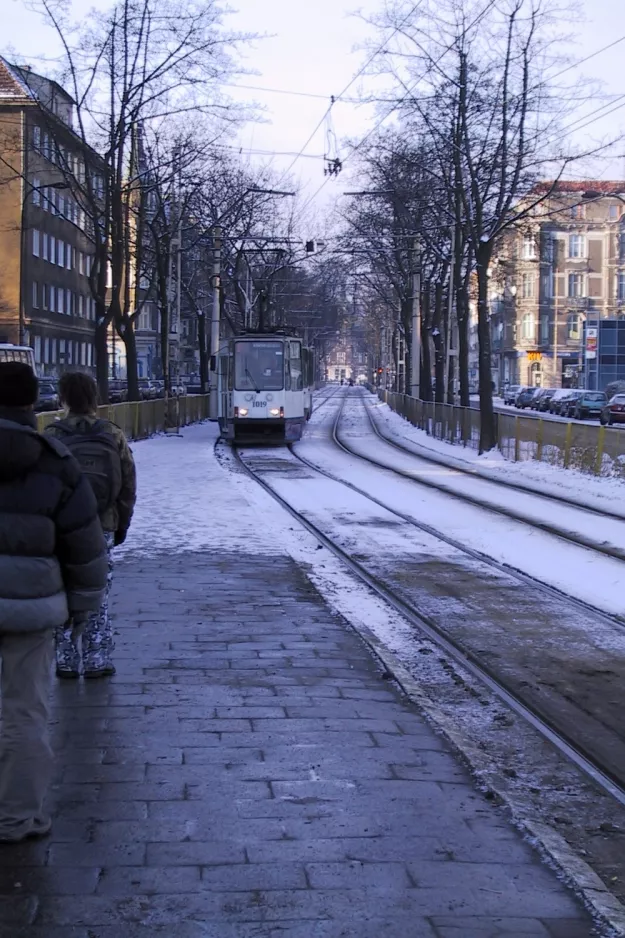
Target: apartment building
{"x": 562, "y": 266}
{"x": 45, "y": 297}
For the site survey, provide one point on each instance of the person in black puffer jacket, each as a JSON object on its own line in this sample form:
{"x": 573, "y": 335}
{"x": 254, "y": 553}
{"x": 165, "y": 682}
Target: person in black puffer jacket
{"x": 53, "y": 568}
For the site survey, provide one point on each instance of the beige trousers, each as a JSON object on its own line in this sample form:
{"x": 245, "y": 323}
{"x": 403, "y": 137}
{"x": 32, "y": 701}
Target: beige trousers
{"x": 25, "y": 753}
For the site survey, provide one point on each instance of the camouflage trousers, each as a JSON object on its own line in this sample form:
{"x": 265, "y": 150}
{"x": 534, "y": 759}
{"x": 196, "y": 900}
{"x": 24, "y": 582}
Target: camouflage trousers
{"x": 97, "y": 637}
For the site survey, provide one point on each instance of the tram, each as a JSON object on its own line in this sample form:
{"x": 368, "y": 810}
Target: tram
{"x": 264, "y": 386}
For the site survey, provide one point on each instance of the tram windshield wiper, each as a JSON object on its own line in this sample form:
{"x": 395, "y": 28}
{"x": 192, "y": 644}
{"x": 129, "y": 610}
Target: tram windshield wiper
{"x": 253, "y": 383}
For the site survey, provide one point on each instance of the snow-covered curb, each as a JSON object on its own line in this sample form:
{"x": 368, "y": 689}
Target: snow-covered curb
{"x": 538, "y": 476}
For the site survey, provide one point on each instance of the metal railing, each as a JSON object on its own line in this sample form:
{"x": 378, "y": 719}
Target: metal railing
{"x": 140, "y": 419}
{"x": 587, "y": 447}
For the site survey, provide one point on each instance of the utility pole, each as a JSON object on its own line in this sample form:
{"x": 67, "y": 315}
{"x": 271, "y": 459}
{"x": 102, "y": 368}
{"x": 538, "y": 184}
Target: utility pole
{"x": 215, "y": 318}
{"x": 415, "y": 330}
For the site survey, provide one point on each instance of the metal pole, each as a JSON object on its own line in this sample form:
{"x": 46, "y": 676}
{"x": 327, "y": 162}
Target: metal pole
{"x": 214, "y": 344}
{"x": 415, "y": 330}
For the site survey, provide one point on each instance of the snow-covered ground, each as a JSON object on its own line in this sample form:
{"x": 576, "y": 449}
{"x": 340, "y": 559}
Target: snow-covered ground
{"x": 596, "y": 492}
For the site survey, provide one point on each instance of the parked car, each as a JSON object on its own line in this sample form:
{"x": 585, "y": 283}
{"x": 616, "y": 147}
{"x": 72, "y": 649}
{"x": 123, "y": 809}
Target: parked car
{"x": 544, "y": 401}
{"x": 525, "y": 398}
{"x": 147, "y": 390}
{"x": 510, "y": 393}
{"x": 614, "y": 388}
{"x": 558, "y": 397}
{"x": 590, "y": 404}
{"x": 538, "y": 396}
{"x": 118, "y": 391}
{"x": 48, "y": 397}
{"x": 613, "y": 411}
{"x": 569, "y": 403}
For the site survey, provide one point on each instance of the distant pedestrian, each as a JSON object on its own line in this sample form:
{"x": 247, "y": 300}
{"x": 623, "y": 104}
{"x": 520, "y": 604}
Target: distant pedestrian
{"x": 105, "y": 457}
{"x": 52, "y": 569}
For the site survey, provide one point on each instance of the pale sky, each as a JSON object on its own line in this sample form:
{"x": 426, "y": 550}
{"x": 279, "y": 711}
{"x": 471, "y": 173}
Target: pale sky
{"x": 312, "y": 49}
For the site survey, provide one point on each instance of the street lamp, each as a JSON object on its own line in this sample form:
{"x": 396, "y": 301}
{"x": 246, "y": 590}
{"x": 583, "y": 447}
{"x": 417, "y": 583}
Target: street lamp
{"x": 23, "y": 248}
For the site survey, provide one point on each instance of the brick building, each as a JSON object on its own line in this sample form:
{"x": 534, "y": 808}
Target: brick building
{"x": 561, "y": 266}
{"x": 45, "y": 297}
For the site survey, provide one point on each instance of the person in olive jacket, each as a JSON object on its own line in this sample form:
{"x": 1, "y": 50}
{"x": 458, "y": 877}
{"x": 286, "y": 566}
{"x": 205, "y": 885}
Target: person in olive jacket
{"x": 52, "y": 568}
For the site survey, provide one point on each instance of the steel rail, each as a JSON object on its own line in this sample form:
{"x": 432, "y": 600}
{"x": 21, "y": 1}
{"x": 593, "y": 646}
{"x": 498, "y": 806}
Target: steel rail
{"x": 464, "y": 657}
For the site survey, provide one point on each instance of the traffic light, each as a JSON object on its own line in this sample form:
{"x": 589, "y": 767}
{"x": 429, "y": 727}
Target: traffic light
{"x": 310, "y": 247}
{"x": 380, "y": 371}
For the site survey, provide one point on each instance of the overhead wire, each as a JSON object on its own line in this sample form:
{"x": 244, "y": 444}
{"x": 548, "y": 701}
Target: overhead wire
{"x": 352, "y": 81}
{"x": 611, "y": 105}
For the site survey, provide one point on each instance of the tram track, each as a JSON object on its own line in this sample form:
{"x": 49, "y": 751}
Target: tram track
{"x": 420, "y": 452}
{"x": 586, "y": 757}
{"x": 547, "y": 527}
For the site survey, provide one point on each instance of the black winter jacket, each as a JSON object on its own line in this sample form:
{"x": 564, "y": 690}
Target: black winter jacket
{"x": 52, "y": 551}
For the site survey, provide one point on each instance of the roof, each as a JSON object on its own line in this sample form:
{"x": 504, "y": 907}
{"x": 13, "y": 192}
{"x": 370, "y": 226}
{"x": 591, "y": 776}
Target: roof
{"x": 11, "y": 86}
{"x": 584, "y": 185}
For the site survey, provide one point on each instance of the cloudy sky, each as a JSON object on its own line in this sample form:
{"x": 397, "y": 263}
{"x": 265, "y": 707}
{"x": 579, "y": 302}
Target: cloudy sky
{"x": 312, "y": 47}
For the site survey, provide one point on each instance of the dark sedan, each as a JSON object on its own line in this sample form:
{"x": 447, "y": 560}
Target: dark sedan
{"x": 613, "y": 411}
{"x": 544, "y": 401}
{"x": 48, "y": 397}
{"x": 526, "y": 398}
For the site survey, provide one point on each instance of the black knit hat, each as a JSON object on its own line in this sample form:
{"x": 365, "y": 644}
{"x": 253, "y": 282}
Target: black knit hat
{"x": 18, "y": 385}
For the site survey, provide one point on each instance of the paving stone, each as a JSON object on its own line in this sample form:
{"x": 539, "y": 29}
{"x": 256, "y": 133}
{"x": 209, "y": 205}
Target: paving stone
{"x": 247, "y": 774}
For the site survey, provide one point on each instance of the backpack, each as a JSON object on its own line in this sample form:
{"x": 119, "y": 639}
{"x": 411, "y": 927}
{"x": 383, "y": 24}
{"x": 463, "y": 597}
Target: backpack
{"x": 97, "y": 454}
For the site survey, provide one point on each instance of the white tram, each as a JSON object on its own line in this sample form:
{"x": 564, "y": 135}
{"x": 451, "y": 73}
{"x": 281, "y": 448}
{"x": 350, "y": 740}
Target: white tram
{"x": 264, "y": 385}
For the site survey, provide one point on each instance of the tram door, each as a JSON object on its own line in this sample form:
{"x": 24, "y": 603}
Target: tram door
{"x": 225, "y": 390}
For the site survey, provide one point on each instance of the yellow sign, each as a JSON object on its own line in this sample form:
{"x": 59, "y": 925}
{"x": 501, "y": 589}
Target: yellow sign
{"x": 534, "y": 356}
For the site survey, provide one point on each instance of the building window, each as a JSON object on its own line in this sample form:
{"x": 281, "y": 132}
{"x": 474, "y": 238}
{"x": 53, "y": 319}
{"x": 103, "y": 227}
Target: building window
{"x": 36, "y": 191}
{"x": 52, "y": 296}
{"x": 527, "y": 286}
{"x": 69, "y": 257}
{"x": 577, "y": 246}
{"x": 576, "y": 285}
{"x": 45, "y": 246}
{"x": 35, "y": 243}
{"x": 544, "y": 330}
{"x": 548, "y": 249}
{"x": 573, "y": 324}
{"x": 38, "y": 349}
{"x": 36, "y": 138}
{"x": 61, "y": 253}
{"x": 621, "y": 286}
{"x": 529, "y": 247}
{"x": 69, "y": 306}
{"x": 81, "y": 305}
{"x": 35, "y": 295}
{"x": 578, "y": 211}
{"x": 51, "y": 249}
{"x": 614, "y": 213}
{"x": 527, "y": 327}
{"x": 53, "y": 351}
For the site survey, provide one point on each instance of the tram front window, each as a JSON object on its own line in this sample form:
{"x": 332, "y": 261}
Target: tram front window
{"x": 259, "y": 366}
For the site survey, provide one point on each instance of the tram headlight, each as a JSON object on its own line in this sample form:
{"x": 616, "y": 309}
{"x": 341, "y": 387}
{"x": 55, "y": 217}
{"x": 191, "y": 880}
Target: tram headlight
{"x": 275, "y": 411}
{"x": 243, "y": 411}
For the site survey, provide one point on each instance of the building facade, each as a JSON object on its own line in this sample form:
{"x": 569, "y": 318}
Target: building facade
{"x": 560, "y": 267}
{"x": 47, "y": 252}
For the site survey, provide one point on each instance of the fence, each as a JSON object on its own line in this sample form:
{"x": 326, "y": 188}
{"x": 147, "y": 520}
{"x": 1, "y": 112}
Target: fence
{"x": 589, "y": 448}
{"x": 140, "y": 419}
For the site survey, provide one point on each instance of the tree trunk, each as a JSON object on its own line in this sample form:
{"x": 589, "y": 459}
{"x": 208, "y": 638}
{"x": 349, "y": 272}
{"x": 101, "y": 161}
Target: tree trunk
{"x": 101, "y": 353}
{"x": 425, "y": 375}
{"x": 132, "y": 373}
{"x": 488, "y": 430}
{"x": 462, "y": 306}
{"x": 438, "y": 336}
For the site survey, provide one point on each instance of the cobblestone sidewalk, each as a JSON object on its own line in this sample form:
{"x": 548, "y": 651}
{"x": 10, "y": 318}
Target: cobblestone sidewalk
{"x": 249, "y": 774}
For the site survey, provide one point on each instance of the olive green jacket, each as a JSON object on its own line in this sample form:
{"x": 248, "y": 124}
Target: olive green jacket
{"x": 116, "y": 518}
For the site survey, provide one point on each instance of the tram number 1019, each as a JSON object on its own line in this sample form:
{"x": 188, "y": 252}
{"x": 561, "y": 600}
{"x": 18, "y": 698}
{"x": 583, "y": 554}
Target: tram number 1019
{"x": 259, "y": 404}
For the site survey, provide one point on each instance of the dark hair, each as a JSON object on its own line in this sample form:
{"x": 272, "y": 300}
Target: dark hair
{"x": 18, "y": 385}
{"x": 78, "y": 392}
